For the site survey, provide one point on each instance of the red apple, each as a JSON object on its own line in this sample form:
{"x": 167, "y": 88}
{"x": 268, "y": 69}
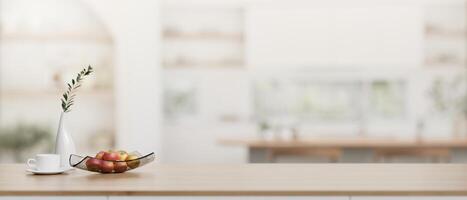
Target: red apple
{"x": 93, "y": 164}
{"x": 122, "y": 155}
{"x": 107, "y": 166}
{"x": 120, "y": 167}
{"x": 100, "y": 155}
{"x": 111, "y": 156}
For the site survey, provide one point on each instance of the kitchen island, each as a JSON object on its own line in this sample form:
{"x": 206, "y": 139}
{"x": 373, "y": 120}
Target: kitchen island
{"x": 355, "y": 149}
{"x": 258, "y": 181}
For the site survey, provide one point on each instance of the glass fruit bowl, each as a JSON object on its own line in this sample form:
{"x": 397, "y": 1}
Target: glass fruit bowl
{"x": 92, "y": 164}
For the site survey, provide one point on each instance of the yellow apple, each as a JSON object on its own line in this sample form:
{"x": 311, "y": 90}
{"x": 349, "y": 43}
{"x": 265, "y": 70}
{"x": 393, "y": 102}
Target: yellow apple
{"x": 123, "y": 155}
{"x": 132, "y": 161}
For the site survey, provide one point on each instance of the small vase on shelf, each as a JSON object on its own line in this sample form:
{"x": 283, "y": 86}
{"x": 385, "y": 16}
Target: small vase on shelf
{"x": 64, "y": 145}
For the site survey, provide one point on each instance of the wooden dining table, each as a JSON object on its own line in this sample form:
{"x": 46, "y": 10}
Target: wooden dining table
{"x": 353, "y": 149}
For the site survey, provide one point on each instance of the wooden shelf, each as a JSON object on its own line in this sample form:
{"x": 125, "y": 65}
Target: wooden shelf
{"x": 5, "y": 94}
{"x": 447, "y": 34}
{"x": 56, "y": 37}
{"x": 202, "y": 66}
{"x": 202, "y": 36}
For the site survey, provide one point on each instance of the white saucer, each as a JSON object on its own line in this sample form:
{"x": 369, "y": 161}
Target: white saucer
{"x": 59, "y": 171}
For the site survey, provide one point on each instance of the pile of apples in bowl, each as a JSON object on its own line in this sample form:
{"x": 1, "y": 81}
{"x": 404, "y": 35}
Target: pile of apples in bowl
{"x": 111, "y": 161}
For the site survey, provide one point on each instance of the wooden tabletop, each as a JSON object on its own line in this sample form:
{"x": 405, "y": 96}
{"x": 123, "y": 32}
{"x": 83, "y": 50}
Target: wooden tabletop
{"x": 246, "y": 179}
{"x": 350, "y": 142}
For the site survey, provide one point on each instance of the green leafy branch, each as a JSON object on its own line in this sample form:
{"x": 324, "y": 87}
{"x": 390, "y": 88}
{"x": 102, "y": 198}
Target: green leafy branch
{"x": 69, "y": 95}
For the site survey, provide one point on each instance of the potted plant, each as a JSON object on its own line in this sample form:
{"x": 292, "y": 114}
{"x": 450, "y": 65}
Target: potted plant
{"x": 450, "y": 97}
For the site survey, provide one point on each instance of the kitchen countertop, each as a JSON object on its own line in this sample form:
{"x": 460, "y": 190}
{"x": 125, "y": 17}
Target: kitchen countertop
{"x": 350, "y": 142}
{"x": 245, "y": 179}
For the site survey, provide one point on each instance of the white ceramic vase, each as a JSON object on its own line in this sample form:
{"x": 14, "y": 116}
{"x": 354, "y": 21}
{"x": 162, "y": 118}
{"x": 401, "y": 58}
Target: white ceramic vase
{"x": 64, "y": 145}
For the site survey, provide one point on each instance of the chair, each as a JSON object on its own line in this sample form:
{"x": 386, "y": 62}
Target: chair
{"x": 436, "y": 155}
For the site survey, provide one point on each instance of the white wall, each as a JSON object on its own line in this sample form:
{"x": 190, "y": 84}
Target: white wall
{"x": 135, "y": 27}
{"x": 315, "y": 35}
{"x": 221, "y": 93}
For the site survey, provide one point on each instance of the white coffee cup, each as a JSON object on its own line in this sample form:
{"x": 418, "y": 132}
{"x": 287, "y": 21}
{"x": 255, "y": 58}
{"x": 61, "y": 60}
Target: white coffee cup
{"x": 45, "y": 162}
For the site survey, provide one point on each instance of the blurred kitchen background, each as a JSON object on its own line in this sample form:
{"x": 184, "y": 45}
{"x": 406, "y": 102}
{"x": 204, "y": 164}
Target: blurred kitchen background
{"x": 239, "y": 81}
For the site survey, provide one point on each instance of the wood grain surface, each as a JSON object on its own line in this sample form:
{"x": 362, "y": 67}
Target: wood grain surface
{"x": 245, "y": 179}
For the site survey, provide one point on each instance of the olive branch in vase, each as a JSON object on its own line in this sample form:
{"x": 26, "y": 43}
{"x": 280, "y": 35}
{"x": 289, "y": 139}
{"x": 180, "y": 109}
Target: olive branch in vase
{"x": 68, "y": 97}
